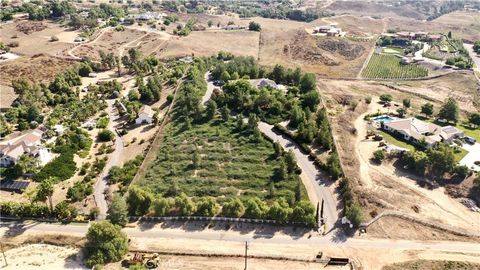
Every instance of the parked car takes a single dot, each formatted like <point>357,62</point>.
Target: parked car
<point>470,140</point>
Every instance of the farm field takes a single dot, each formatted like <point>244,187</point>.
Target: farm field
<point>389,67</point>
<point>232,164</point>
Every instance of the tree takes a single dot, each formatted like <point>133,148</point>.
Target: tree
<point>138,201</point>
<point>118,212</point>
<point>207,206</point>
<point>278,149</point>
<point>255,208</point>
<point>290,161</point>
<point>449,110</point>
<point>354,213</point>
<point>161,207</point>
<point>211,110</point>
<point>105,135</point>
<point>386,98</point>
<point>304,212</point>
<point>401,112</point>
<point>280,173</point>
<point>233,208</point>
<point>253,26</point>
<point>278,73</point>
<point>280,211</point>
<point>297,116</point>
<point>105,243</point>
<point>474,119</point>
<point>308,83</point>
<point>378,156</point>
<point>440,160</point>
<point>45,190</point>
<point>476,47</point>
<point>225,113</point>
<point>252,121</point>
<point>407,102</point>
<point>64,211</point>
<point>196,159</point>
<point>310,100</point>
<point>427,109</point>
<point>184,205</point>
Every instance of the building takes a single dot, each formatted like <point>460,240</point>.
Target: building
<point>145,115</point>
<point>329,30</point>
<point>417,131</point>
<point>260,83</point>
<point>26,144</point>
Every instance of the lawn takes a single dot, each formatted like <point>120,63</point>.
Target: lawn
<point>393,50</point>
<point>232,163</point>
<point>475,133</point>
<point>460,154</point>
<point>396,141</point>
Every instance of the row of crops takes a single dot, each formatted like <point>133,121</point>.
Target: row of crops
<point>383,66</point>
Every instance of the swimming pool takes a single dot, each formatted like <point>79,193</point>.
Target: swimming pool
<point>383,118</point>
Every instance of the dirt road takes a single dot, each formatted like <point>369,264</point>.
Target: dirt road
<point>153,233</point>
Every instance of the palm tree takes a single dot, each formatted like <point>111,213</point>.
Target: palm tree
<point>45,190</point>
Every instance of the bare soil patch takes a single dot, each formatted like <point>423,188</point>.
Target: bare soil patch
<point>428,265</point>
<point>206,43</point>
<point>108,42</point>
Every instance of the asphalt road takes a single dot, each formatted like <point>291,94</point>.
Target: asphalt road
<point>235,236</point>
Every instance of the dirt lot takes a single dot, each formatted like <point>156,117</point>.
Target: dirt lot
<point>206,43</point>
<point>108,41</point>
<point>34,37</point>
<point>428,265</point>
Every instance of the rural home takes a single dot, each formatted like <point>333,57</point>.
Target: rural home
<point>329,30</point>
<point>415,130</point>
<point>145,115</point>
<point>26,144</point>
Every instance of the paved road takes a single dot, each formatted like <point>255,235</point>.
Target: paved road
<point>317,188</point>
<point>101,184</point>
<point>235,236</point>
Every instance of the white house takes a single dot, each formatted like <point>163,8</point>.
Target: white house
<point>25,144</point>
<point>145,115</point>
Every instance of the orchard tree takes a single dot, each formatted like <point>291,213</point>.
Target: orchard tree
<point>474,119</point>
<point>161,207</point>
<point>184,205</point>
<point>207,206</point>
<point>386,98</point>
<point>304,212</point>
<point>233,208</point>
<point>308,83</point>
<point>138,201</point>
<point>211,110</point>
<point>105,243</point>
<point>118,212</point>
<point>280,211</point>
<point>255,208</point>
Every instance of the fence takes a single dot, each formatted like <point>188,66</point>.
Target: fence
<point>218,219</point>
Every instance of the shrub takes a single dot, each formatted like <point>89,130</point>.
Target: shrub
<point>105,135</point>
<point>62,167</point>
<point>379,155</point>
<point>53,38</point>
<point>170,98</point>
<point>13,44</point>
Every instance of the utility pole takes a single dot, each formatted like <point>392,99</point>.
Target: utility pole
<point>246,249</point>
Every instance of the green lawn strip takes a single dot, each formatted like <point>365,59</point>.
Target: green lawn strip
<point>397,141</point>
<point>460,153</point>
<point>475,133</point>
<point>393,50</point>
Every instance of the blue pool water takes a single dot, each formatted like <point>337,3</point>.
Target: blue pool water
<point>383,118</point>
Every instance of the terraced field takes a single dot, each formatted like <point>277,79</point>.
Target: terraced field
<point>389,67</point>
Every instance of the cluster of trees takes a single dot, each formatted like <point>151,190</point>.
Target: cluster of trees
<point>150,92</point>
<point>125,174</point>
<point>460,62</point>
<point>80,190</point>
<point>184,30</point>
<point>254,26</point>
<point>141,202</point>
<point>434,161</point>
<point>61,211</point>
<point>281,11</point>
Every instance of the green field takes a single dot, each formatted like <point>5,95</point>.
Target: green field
<point>232,163</point>
<point>389,67</point>
<point>393,50</point>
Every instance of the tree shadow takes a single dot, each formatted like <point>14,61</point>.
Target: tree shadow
<point>16,228</point>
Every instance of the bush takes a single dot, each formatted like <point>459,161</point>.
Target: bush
<point>79,191</point>
<point>379,155</point>
<point>53,38</point>
<point>354,213</point>
<point>105,135</point>
<point>170,98</point>
<point>13,44</point>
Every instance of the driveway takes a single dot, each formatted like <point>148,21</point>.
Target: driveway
<point>475,57</point>
<point>101,184</point>
<point>472,156</point>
